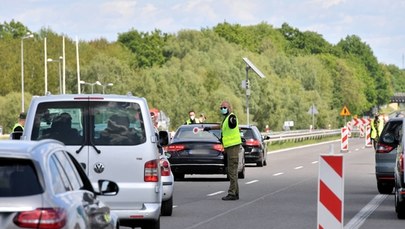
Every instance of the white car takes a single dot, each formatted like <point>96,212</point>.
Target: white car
<point>168,186</point>
<point>113,138</point>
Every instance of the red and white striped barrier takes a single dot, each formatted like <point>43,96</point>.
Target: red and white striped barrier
<point>344,145</point>
<point>368,137</point>
<point>330,192</point>
<point>362,131</point>
<point>349,129</point>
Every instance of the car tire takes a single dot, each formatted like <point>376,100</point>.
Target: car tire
<point>241,174</point>
<point>178,176</point>
<point>399,207</point>
<point>152,224</point>
<point>167,207</point>
<point>384,188</point>
<point>260,163</point>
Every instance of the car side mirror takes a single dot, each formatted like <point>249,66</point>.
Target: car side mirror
<point>163,138</point>
<point>107,188</point>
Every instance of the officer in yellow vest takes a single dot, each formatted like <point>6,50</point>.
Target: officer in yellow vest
<point>374,134</point>
<point>231,140</point>
<point>19,126</point>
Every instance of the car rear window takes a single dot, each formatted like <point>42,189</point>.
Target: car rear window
<point>247,133</point>
<point>196,133</point>
<point>102,122</point>
<point>391,133</point>
<point>18,177</point>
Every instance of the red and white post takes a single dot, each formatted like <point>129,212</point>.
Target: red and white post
<point>344,146</point>
<point>368,141</point>
<point>330,192</point>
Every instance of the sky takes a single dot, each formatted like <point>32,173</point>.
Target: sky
<point>378,23</point>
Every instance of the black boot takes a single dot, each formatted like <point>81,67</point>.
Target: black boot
<point>231,197</point>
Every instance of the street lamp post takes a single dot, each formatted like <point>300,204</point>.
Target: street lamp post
<point>91,84</point>
<point>60,71</point>
<point>29,35</point>
<point>106,85</point>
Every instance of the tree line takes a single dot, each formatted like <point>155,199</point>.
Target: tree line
<point>197,69</point>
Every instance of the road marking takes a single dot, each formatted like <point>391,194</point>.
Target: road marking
<point>215,193</point>
<point>251,182</point>
<point>357,149</point>
<point>314,162</point>
<point>299,167</point>
<point>277,174</point>
<point>365,212</point>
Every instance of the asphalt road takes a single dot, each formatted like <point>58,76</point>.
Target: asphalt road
<point>283,194</point>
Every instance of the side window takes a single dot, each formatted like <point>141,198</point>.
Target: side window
<point>69,170</point>
<point>118,123</point>
<point>60,182</point>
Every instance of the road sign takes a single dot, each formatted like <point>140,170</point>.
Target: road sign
<point>345,111</point>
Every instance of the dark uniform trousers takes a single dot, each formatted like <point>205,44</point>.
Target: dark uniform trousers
<point>232,153</point>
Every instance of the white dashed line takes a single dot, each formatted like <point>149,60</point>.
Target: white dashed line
<point>314,162</point>
<point>299,167</point>
<point>251,182</point>
<point>215,193</point>
<point>277,174</point>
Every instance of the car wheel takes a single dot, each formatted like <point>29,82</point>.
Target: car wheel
<point>167,207</point>
<point>260,163</point>
<point>265,160</point>
<point>178,176</point>
<point>384,188</point>
<point>153,224</point>
<point>241,174</point>
<point>399,207</point>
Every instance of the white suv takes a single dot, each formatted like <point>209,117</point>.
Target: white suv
<point>113,137</point>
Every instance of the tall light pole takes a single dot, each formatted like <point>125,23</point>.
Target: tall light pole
<point>29,35</point>
<point>91,84</point>
<point>60,71</point>
<point>105,85</point>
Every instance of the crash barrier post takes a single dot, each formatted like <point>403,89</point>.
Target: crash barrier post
<point>330,192</point>
<point>362,131</point>
<point>344,145</point>
<point>349,129</point>
<point>368,137</point>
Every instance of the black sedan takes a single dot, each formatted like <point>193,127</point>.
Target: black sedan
<point>195,151</point>
<point>254,145</point>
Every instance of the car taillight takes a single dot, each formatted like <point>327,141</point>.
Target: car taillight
<point>383,148</point>
<point>252,142</point>
<point>175,148</point>
<point>401,163</point>
<point>218,147</point>
<point>151,171</point>
<point>165,168</point>
<point>47,218</point>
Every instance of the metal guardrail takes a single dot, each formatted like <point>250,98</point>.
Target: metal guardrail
<point>300,135</point>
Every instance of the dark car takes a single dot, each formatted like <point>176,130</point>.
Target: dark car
<point>195,151</point>
<point>385,154</point>
<point>254,145</point>
<point>43,186</point>
<point>399,177</point>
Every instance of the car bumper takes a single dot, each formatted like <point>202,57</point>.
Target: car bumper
<point>149,211</point>
<point>199,168</point>
<point>167,189</point>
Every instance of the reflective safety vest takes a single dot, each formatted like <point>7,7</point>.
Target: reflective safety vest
<point>373,130</point>
<point>17,125</point>
<point>230,137</point>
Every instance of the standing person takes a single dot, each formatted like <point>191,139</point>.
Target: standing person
<point>202,118</point>
<point>19,126</point>
<point>374,133</point>
<point>231,141</point>
<point>191,119</point>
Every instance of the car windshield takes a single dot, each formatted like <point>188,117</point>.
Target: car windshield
<point>196,133</point>
<point>18,177</point>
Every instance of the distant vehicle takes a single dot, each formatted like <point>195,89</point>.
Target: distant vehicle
<point>399,177</point>
<point>194,151</point>
<point>254,145</point>
<point>113,137</point>
<point>43,186</point>
<point>385,155</point>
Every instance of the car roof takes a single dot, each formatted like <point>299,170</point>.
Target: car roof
<point>26,149</point>
<point>68,97</point>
